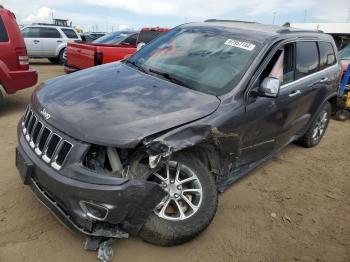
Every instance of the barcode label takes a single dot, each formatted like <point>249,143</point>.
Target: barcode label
<point>240,44</point>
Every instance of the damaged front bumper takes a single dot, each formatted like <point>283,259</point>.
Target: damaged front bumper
<point>106,209</point>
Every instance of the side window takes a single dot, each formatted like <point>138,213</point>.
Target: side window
<point>327,56</point>
<point>47,32</point>
<point>344,54</point>
<point>69,33</point>
<point>281,65</point>
<point>31,32</point>
<point>131,40</point>
<point>148,36</point>
<point>307,59</point>
<point>3,33</point>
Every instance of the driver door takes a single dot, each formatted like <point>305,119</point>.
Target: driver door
<point>267,118</point>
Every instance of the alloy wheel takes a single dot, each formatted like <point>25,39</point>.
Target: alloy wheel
<point>184,191</point>
<point>320,126</point>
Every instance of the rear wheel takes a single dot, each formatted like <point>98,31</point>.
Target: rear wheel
<point>318,128</point>
<point>61,57</point>
<point>188,208</point>
<point>1,100</point>
<point>53,60</point>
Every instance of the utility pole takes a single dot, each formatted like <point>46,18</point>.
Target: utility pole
<point>274,17</point>
<point>348,19</point>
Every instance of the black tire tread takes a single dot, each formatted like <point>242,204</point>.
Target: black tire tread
<point>1,100</point>
<point>306,140</point>
<point>167,233</point>
<point>342,115</point>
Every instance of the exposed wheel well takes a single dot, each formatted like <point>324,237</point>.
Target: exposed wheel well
<point>206,155</point>
<point>334,104</point>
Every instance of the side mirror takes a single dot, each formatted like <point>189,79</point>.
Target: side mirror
<point>140,45</point>
<point>270,87</point>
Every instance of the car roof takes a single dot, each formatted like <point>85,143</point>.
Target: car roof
<point>261,32</point>
<point>51,26</point>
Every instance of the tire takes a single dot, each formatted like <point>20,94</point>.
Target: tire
<point>1,100</point>
<point>61,59</point>
<point>342,115</point>
<point>317,129</point>
<point>164,232</point>
<point>53,60</point>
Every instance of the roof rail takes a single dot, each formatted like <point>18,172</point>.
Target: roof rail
<point>296,30</point>
<point>48,24</point>
<point>227,20</point>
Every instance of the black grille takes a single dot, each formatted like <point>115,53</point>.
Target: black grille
<point>49,145</point>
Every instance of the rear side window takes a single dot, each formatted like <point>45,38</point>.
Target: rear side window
<point>131,40</point>
<point>70,33</point>
<point>31,32</point>
<point>307,59</point>
<point>327,56</point>
<point>47,32</point>
<point>344,54</point>
<point>3,33</point>
<point>148,36</point>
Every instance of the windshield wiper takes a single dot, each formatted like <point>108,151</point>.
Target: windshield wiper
<point>170,78</point>
<point>134,64</point>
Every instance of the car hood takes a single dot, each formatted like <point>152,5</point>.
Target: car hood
<point>117,105</point>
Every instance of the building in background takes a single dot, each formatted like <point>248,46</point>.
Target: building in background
<point>339,31</point>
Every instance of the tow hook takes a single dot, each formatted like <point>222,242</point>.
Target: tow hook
<point>103,247</point>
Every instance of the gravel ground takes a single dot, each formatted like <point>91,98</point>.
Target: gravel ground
<point>295,207</point>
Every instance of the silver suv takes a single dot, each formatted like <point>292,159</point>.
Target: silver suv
<point>48,41</point>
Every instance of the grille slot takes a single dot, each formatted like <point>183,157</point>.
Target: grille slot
<point>52,144</point>
<point>27,118</point>
<point>36,132</point>
<point>43,138</point>
<point>31,124</point>
<point>64,150</point>
<point>44,141</point>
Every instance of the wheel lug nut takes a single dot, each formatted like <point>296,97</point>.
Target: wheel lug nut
<point>172,181</point>
<point>164,185</point>
<point>179,187</point>
<point>176,195</point>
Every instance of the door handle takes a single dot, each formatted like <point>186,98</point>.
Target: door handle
<point>295,93</point>
<point>59,41</point>
<point>36,41</point>
<point>324,79</point>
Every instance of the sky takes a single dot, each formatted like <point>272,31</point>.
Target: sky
<point>108,15</point>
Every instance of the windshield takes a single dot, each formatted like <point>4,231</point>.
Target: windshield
<point>209,60</point>
<point>113,38</point>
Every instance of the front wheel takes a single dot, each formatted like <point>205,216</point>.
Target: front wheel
<point>318,128</point>
<point>189,206</point>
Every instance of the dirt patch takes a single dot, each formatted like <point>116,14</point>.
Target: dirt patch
<point>293,208</point>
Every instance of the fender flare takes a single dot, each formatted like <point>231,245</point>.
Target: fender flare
<point>329,97</point>
<point>60,48</point>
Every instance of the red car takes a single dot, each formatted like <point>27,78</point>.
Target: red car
<point>109,48</point>
<point>15,73</point>
<point>344,56</point>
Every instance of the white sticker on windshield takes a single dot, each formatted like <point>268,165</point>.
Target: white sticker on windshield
<point>240,44</point>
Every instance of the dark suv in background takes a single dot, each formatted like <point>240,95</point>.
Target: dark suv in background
<point>144,145</point>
